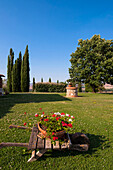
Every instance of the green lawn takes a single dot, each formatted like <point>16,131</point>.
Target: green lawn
<point>94,116</point>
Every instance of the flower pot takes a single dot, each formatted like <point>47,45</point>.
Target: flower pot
<point>58,134</point>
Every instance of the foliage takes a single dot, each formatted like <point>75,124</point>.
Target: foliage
<point>53,123</point>
<point>42,80</point>
<point>33,83</point>
<point>25,71</point>
<point>15,76</point>
<point>49,80</point>
<point>9,74</point>
<point>18,74</point>
<point>92,62</point>
<point>50,87</point>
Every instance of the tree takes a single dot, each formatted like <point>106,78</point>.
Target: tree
<point>49,80</point>
<point>42,80</point>
<point>9,74</point>
<point>20,62</point>
<point>33,83</point>
<point>9,69</point>
<point>15,77</point>
<point>22,75</point>
<point>92,62</point>
<point>25,78</point>
<point>12,60</point>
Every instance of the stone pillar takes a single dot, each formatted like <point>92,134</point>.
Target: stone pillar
<point>71,92</point>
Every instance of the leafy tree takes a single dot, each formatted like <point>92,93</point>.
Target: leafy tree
<point>33,83</point>
<point>92,62</point>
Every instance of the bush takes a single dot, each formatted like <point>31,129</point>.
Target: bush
<point>50,87</point>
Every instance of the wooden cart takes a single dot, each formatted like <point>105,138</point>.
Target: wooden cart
<point>77,141</point>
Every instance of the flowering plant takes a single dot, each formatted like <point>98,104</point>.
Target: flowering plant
<point>53,123</point>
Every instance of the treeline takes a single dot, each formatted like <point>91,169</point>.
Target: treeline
<point>18,78</point>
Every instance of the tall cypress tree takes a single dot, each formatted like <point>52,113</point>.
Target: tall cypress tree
<point>14,78</point>
<point>22,75</point>
<point>11,65</point>
<point>9,74</point>
<point>33,83</point>
<point>26,70</point>
<point>19,75</point>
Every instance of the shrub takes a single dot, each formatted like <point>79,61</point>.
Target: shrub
<point>50,87</point>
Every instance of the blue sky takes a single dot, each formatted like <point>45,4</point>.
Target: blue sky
<point>51,28</point>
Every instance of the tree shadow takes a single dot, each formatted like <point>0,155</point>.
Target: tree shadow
<point>8,101</point>
<point>96,142</point>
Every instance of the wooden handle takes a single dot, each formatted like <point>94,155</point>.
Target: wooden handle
<point>3,144</point>
<point>19,127</point>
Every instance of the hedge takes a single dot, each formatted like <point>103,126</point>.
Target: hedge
<point>50,87</point>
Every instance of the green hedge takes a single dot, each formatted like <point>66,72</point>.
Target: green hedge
<point>50,87</point>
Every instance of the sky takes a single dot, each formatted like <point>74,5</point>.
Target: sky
<point>51,29</point>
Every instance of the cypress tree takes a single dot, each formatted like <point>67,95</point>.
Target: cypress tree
<point>42,80</point>
<point>49,80</point>
<point>19,74</point>
<point>26,70</point>
<point>33,83</point>
<point>11,64</point>
<point>22,75</point>
<point>9,74</point>
<point>14,78</point>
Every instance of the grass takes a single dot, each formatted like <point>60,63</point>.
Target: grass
<point>94,116</point>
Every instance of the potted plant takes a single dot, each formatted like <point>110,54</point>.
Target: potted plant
<point>53,125</point>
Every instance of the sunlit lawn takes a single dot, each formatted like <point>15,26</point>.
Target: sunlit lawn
<point>94,116</point>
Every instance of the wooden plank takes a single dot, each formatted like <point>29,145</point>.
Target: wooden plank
<point>40,143</point>
<point>3,144</point>
<point>48,144</point>
<point>33,138</point>
<point>56,146</point>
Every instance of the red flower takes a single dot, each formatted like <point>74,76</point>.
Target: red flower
<point>53,133</point>
<point>73,117</point>
<point>69,115</point>
<point>40,108</point>
<point>64,124</point>
<point>57,118</point>
<point>46,120</point>
<point>36,115</point>
<point>25,124</point>
<point>62,113</point>
<point>43,113</point>
<point>25,113</point>
<point>53,115</point>
<point>55,138</point>
<point>69,125</point>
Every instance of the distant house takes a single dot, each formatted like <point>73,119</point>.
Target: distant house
<point>108,86</point>
<point>1,90</point>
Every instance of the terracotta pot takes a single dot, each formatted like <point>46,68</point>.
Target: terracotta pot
<point>57,134</point>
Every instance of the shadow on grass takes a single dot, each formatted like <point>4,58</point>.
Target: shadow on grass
<point>97,142</point>
<point>8,101</point>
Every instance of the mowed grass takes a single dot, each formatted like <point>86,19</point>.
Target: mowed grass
<point>93,116</point>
